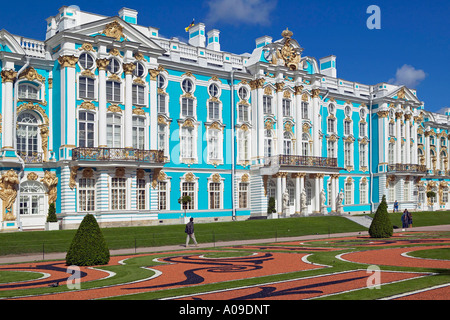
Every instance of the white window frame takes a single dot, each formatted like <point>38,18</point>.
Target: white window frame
<point>86,129</point>
<point>122,190</point>
<point>139,190</point>
<point>113,96</point>
<point>217,194</point>
<point>86,191</point>
<point>244,194</point>
<point>86,87</point>
<point>139,132</point>
<point>114,127</point>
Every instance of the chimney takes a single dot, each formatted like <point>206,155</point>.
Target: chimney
<point>262,41</point>
<point>328,66</point>
<point>128,15</point>
<point>213,40</point>
<point>197,35</point>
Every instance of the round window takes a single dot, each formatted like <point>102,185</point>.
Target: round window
<point>213,90</point>
<point>114,66</point>
<point>86,61</point>
<point>187,85</point>
<point>243,93</point>
<point>161,81</point>
<point>140,70</point>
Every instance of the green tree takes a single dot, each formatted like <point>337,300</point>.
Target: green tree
<point>381,226</point>
<point>88,247</point>
<point>51,217</point>
<point>271,206</point>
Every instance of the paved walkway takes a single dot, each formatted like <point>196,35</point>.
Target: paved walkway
<point>62,256</point>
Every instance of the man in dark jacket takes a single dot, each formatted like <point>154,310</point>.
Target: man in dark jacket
<point>190,232</point>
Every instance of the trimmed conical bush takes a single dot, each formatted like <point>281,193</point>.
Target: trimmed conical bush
<point>88,247</point>
<point>381,226</point>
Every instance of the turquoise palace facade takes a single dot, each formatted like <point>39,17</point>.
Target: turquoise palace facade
<point>107,117</point>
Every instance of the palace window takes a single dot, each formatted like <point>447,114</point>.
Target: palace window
<point>287,144</point>
<point>113,91</point>
<point>86,132</point>
<point>139,71</point>
<point>347,128</point>
<point>267,105</point>
<point>362,129</point>
<point>363,155</point>
<point>86,195</point>
<point>287,108</point>
<point>187,86</point>
<point>188,189</point>
<point>331,126</point>
<point>138,94</point>
<point>348,146</point>
<point>391,129</point>
<point>162,103</point>
<point>243,93</point>
<point>187,107</point>
<point>243,113</point>
<point>305,114</point>
<point>215,195</point>
<point>243,195</point>
<point>391,154</point>
<point>213,144</point>
<point>86,61</point>
<point>141,193</point>
<point>348,193</point>
<point>268,143</point>
<point>331,149</point>
<point>114,66</point>
<point>27,134</point>
<point>406,191</point>
<point>363,193</point>
<point>162,139</point>
<point>86,89</point>
<point>118,194</point>
<point>162,195</point>
<point>187,142</point>
<point>32,195</point>
<point>139,133</point>
<point>305,144</point>
<point>213,110</point>
<point>243,145</point>
<point>28,91</point>
<point>213,90</point>
<point>114,130</point>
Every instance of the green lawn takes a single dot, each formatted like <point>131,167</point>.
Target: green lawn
<point>132,237</point>
<point>422,219</point>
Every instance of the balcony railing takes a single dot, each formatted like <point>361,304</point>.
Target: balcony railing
<point>301,161</point>
<point>118,154</point>
<point>31,157</point>
<point>409,168</point>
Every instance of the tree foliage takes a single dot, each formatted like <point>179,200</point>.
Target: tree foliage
<point>381,226</point>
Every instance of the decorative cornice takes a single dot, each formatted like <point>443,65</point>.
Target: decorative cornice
<point>8,76</point>
<point>67,61</point>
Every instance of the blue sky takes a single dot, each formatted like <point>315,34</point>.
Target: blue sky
<point>412,47</point>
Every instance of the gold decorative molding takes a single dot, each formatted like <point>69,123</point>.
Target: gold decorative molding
<point>120,172</point>
<point>115,52</point>
<point>154,74</point>
<point>102,64</point>
<point>279,86</point>
<point>114,30</point>
<point>88,73</point>
<point>189,177</point>
<point>139,56</point>
<point>32,176</point>
<point>86,47</point>
<point>268,91</point>
<point>31,74</point>
<point>315,93</point>
<point>34,107</point>
<point>8,75</point>
<point>8,193</point>
<point>44,140</point>
<point>67,61</point>
<point>128,68</point>
<point>298,90</point>
<point>114,77</point>
<point>139,81</point>
<point>50,83</point>
<point>138,111</point>
<point>383,114</point>
<point>87,105</point>
<point>288,54</point>
<point>51,182</point>
<point>73,177</point>
<point>216,178</point>
<point>245,178</point>
<point>114,108</point>
<point>88,173</point>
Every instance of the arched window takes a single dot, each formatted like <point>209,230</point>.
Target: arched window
<point>32,195</point>
<point>28,135</point>
<point>287,144</point>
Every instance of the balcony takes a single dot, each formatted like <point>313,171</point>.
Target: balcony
<point>118,154</point>
<point>407,168</point>
<point>301,161</point>
<point>31,157</point>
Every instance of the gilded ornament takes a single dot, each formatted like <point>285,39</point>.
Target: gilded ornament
<point>216,178</point>
<point>189,177</point>
<point>268,91</point>
<point>140,174</point>
<point>154,74</point>
<point>32,176</point>
<point>88,173</point>
<point>87,47</point>
<point>88,73</point>
<point>8,193</point>
<point>298,90</point>
<point>51,181</point>
<point>128,68</point>
<point>31,74</point>
<point>34,107</point>
<point>102,64</point>
<point>120,172</point>
<point>87,105</point>
<point>114,108</point>
<point>138,111</point>
<point>139,56</point>
<point>114,30</point>
<point>8,76</point>
<point>115,52</point>
<point>67,61</point>
<point>245,178</point>
<point>315,93</point>
<point>73,177</point>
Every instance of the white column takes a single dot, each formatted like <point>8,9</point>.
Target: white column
<point>415,158</point>
<point>408,138</point>
<point>8,78</point>
<point>317,193</point>
<point>298,191</point>
<point>50,115</point>
<point>280,129</point>
<point>260,122</point>
<point>128,69</point>
<point>153,98</point>
<point>102,139</point>
<point>427,151</point>
<point>316,124</point>
<point>298,119</point>
<point>68,102</point>
<point>382,137</point>
<point>279,194</point>
<point>332,192</point>
<point>398,145</point>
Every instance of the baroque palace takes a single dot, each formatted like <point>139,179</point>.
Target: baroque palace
<point>107,117</point>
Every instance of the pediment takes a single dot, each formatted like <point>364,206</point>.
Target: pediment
<point>403,93</point>
<point>8,43</point>
<point>117,30</point>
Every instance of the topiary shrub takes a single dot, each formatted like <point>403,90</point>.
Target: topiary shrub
<point>381,226</point>
<point>271,206</point>
<point>51,217</point>
<point>88,247</point>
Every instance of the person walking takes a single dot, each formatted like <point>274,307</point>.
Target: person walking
<point>410,219</point>
<point>405,220</point>
<point>189,230</point>
<point>396,206</point>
